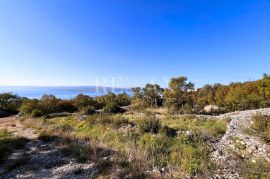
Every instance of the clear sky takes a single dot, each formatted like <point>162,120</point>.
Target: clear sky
<point>132,42</point>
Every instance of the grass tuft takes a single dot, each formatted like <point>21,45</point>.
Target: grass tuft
<point>261,125</point>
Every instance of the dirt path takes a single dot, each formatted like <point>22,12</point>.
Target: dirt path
<point>237,140</point>
<point>13,125</point>
<point>39,159</point>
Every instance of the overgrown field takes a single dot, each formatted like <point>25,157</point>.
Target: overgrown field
<point>180,145</point>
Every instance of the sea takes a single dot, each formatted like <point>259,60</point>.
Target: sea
<point>63,92</point>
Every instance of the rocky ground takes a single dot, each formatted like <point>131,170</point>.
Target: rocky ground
<point>40,159</point>
<point>237,141</point>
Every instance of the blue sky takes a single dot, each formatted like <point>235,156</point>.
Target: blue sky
<point>132,42</point>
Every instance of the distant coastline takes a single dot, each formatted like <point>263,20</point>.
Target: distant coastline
<point>63,92</point>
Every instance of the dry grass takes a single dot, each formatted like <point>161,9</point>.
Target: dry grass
<point>138,151</point>
<point>9,143</point>
<point>261,126</point>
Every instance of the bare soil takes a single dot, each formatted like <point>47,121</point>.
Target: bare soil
<point>40,159</point>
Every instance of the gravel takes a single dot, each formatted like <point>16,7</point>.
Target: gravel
<point>251,147</point>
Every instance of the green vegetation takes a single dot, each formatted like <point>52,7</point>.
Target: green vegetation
<point>83,104</point>
<point>207,127</point>
<point>10,102</point>
<point>251,170</point>
<point>261,125</point>
<point>178,97</point>
<point>149,124</point>
<point>151,134</point>
<point>150,95</point>
<point>149,142</point>
<point>237,96</point>
<point>181,97</point>
<point>48,104</point>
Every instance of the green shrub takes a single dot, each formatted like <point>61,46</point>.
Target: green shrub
<point>123,99</point>
<point>66,106</point>
<point>169,132</point>
<point>48,104</point>
<point>261,124</point>
<point>10,102</point>
<point>112,107</point>
<point>4,133</point>
<point>157,148</point>
<point>28,106</point>
<point>36,113</point>
<point>149,124</point>
<point>81,101</point>
<point>89,110</point>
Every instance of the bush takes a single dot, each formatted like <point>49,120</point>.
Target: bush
<point>48,104</point>
<point>261,124</point>
<point>10,102</point>
<point>169,132</point>
<point>157,149</point>
<point>36,113</point>
<point>81,101</point>
<point>66,106</point>
<point>89,110</point>
<point>112,107</point>
<point>28,106</point>
<point>149,124</point>
<point>123,99</point>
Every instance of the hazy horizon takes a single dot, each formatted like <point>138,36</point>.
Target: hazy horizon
<point>129,87</point>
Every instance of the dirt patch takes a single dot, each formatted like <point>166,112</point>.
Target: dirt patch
<point>39,158</point>
<point>13,125</point>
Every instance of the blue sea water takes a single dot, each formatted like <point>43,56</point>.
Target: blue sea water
<point>66,92</point>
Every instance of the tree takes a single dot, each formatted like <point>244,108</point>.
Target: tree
<point>112,107</point>
<point>153,95</point>
<point>243,96</point>
<point>137,93</point>
<point>181,84</point>
<point>48,104</point>
<point>264,90</point>
<point>137,101</point>
<point>105,99</point>
<point>10,102</point>
<point>205,96</point>
<point>82,100</point>
<point>149,96</point>
<point>221,91</point>
<point>123,99</point>
<point>178,96</point>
